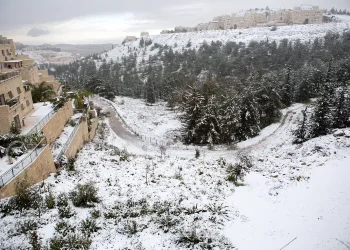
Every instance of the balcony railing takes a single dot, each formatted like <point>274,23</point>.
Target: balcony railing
<point>23,164</point>
<point>8,75</point>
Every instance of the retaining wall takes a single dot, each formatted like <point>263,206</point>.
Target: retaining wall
<point>38,171</point>
<point>55,125</point>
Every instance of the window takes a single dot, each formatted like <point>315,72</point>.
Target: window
<point>3,52</point>
<point>22,106</point>
<point>10,94</point>
<point>19,90</point>
<point>28,103</point>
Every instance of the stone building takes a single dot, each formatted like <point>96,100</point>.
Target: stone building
<point>18,74</point>
<point>305,14</point>
<point>15,100</point>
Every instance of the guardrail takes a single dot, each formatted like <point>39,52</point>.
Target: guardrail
<point>24,163</point>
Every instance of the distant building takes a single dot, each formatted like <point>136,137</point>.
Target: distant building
<point>305,14</point>
<point>144,33</point>
<point>129,39</point>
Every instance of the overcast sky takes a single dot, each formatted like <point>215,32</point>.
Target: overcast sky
<point>104,21</point>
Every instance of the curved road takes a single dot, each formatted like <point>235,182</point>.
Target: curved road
<point>120,129</point>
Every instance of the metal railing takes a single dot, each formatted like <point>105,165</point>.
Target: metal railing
<point>69,140</point>
<point>37,128</point>
<point>24,163</point>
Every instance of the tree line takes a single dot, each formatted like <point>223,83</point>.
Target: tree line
<point>227,92</point>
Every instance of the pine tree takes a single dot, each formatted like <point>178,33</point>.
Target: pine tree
<point>193,107</point>
<point>341,113</point>
<point>301,133</point>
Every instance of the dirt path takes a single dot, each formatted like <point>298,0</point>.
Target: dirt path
<point>115,123</point>
<point>290,117</point>
<point>276,137</point>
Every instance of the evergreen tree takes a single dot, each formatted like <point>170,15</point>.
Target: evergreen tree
<point>192,105</point>
<point>301,134</point>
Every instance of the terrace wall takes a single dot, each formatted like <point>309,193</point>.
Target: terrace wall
<point>55,125</point>
<point>38,171</point>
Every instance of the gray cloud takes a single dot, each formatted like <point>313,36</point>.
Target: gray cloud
<point>166,14</point>
<point>38,31</point>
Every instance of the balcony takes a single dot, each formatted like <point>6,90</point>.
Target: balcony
<point>8,75</point>
<point>13,103</point>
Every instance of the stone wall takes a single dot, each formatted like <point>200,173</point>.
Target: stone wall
<point>55,125</point>
<point>38,171</point>
<point>93,128</point>
<point>79,139</point>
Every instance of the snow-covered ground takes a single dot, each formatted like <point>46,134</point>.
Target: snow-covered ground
<point>41,109</point>
<point>178,41</point>
<point>57,145</point>
<point>151,122</point>
<point>49,56</point>
<point>297,194</point>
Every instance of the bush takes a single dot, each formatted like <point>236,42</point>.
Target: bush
<point>25,196</point>
<point>95,213</point>
<point>65,211</point>
<point>14,130</point>
<point>71,164</point>
<point>34,241</point>
<point>239,170</point>
<point>72,123</point>
<point>166,222</point>
<point>71,241</point>
<point>203,240</point>
<point>26,226</point>
<point>274,28</point>
<point>197,153</point>
<point>88,227</point>
<point>84,195</point>
<point>62,200</point>
<point>50,201</point>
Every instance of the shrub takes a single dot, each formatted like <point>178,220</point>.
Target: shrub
<point>64,228</point>
<point>274,28</point>
<point>197,153</point>
<point>88,227</point>
<point>84,195</point>
<point>130,227</point>
<point>65,211</point>
<point>62,200</point>
<point>26,226</point>
<point>203,240</point>
<point>72,123</point>
<point>166,222</point>
<point>95,213</point>
<point>25,196</point>
<point>71,164</point>
<point>71,241</point>
<point>14,130</point>
<point>34,241</point>
<point>50,201</point>
<point>239,170</point>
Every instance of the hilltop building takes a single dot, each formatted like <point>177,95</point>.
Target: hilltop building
<point>305,14</point>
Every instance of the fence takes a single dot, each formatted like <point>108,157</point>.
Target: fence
<point>24,163</point>
<point>42,122</point>
<point>71,136</point>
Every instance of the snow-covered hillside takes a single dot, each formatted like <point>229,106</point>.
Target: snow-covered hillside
<point>178,41</point>
<point>297,194</point>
